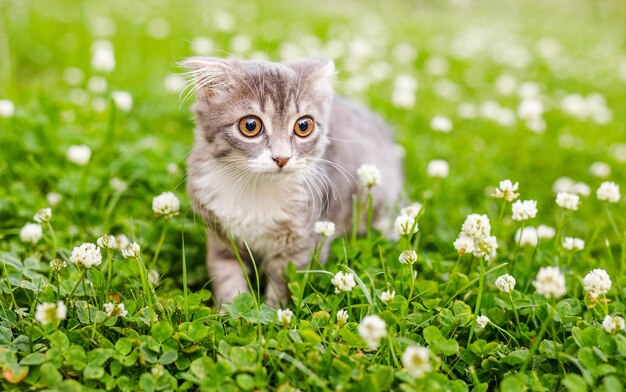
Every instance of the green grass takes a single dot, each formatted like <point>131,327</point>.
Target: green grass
<point>557,343</point>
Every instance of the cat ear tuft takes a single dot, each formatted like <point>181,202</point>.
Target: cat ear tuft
<point>210,74</point>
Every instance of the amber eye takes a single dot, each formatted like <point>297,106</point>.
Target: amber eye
<point>250,126</point>
<point>304,126</point>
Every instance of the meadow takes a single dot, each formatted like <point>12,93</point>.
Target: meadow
<point>104,287</point>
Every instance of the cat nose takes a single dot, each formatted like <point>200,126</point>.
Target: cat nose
<point>281,161</point>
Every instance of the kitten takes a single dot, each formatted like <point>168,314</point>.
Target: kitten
<point>275,151</point>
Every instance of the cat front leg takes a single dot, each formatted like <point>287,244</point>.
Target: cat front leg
<point>227,278</point>
<point>275,269</point>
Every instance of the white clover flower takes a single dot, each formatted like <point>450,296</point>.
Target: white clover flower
<point>527,236</point>
<point>342,317</point>
<point>172,168</point>
<point>597,283</point>
<point>121,241</point>
<point>505,283</point>
<point>530,109</point>
<point>79,155</point>
<point>387,295</point>
<point>464,245</point>
<point>47,313</point>
<point>581,189</point>
<point>131,251</point>
<point>153,276</point>
<point>437,168</point>
<point>107,242</point>
<point>343,282</point>
<point>412,210</point>
<point>482,322</point>
<point>441,124</point>
<point>98,85</point>
<point>569,201</point>
<point>57,265</point>
<point>408,257</point>
<point>608,191</point>
<point>524,210</point>
<point>43,215</point>
<point>467,110</point>
<point>174,84</point>
<point>53,198</point>
<point>86,256</point>
<point>31,233</point>
<point>613,324</point>
<point>372,329</point>
<point>403,95</point>
<point>166,204</point>
<point>123,100</point>
<point>550,282</point>
<point>325,228</point>
<point>7,109</point>
<point>573,244</point>
<point>506,190</point>
<point>114,310</point>
<point>405,225</point>
<point>202,46</point>
<point>475,237</point>
<point>476,226</point>
<point>600,169</point>
<point>102,57</point>
<point>546,232</point>
<point>369,174</point>
<point>118,184</point>
<point>284,316</point>
<point>563,184</point>
<point>486,247</point>
<point>416,361</point>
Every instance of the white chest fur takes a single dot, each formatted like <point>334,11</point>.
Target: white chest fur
<point>251,208</point>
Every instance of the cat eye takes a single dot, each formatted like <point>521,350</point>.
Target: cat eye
<point>250,126</point>
<point>304,126</point>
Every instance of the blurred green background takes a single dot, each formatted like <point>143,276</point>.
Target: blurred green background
<point>534,91</point>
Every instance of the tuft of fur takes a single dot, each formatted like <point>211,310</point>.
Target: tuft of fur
<point>236,185</point>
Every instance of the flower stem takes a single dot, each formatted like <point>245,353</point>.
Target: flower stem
<point>501,214</point>
<point>58,276</point>
<point>356,214</point>
<point>54,240</point>
<point>559,229</point>
<point>393,352</point>
<point>518,243</point>
<point>481,281</point>
<point>517,323</point>
<point>504,332</point>
<point>605,305</point>
<point>412,284</point>
<point>143,275</point>
<point>370,212</point>
<point>612,221</point>
<point>159,245</point>
<point>109,273</point>
<point>82,278</point>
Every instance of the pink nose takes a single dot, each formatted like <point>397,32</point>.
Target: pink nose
<point>281,161</point>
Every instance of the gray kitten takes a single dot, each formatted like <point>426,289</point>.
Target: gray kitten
<point>275,151</point>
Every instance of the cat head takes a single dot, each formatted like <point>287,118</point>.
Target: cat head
<point>267,117</point>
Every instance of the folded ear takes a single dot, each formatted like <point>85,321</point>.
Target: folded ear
<point>211,75</point>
